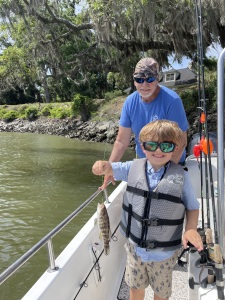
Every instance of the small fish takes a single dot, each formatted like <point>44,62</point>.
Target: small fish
<point>104,226</point>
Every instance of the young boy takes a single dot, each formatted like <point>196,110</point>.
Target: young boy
<point>158,197</point>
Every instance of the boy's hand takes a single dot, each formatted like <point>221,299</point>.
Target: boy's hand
<point>98,167</point>
<point>194,238</point>
<point>102,167</point>
<point>107,180</point>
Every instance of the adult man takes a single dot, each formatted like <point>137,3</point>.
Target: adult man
<point>150,102</point>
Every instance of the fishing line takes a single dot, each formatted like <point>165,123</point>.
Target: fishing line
<point>104,157</point>
<point>96,264</point>
<point>104,195</point>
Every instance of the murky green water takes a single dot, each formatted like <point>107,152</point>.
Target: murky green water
<point>42,180</point>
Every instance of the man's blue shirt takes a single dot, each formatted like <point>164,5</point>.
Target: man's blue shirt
<point>137,113</point>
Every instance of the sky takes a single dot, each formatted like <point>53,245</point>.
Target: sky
<point>213,51</point>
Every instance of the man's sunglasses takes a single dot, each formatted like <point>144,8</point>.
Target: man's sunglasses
<point>165,147</point>
<point>147,79</point>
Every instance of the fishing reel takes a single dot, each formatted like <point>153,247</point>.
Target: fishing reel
<point>212,260</point>
<point>209,279</point>
<point>204,262</point>
<point>181,260</point>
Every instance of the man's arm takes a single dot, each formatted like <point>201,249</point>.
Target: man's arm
<point>178,153</point>
<point>121,143</point>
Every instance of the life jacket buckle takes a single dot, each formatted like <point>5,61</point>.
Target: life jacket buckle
<point>150,245</point>
<point>154,222</point>
<point>147,244</point>
<point>155,195</point>
<point>150,222</point>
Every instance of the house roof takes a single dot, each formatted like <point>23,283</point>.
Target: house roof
<point>182,77</point>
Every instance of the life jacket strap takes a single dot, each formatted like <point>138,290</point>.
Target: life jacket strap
<point>161,222</point>
<point>151,222</point>
<point>152,195</point>
<point>129,220</point>
<point>148,245</point>
<point>156,244</point>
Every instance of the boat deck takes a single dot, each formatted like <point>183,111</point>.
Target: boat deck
<point>179,289</point>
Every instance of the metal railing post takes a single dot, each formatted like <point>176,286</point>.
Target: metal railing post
<point>51,256</point>
<point>106,195</point>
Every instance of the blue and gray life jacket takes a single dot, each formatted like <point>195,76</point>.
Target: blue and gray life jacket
<point>154,219</point>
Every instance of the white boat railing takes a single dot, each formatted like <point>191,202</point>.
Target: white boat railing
<point>47,240</point>
<point>220,150</point>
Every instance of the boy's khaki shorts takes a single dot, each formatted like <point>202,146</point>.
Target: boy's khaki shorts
<point>139,275</point>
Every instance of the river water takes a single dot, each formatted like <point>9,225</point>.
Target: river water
<point>43,179</point>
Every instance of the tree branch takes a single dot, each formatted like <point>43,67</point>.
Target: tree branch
<point>57,20</point>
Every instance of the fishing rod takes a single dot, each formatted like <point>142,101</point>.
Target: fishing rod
<point>202,108</point>
<point>207,149</point>
<point>204,133</point>
<point>200,124</point>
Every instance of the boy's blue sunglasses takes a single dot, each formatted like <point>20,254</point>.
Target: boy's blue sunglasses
<point>147,79</point>
<point>165,147</point>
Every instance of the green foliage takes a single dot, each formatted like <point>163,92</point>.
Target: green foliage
<point>2,101</point>
<point>120,81</point>
<point>53,110</point>
<point>210,63</point>
<point>15,71</point>
<point>10,115</point>
<point>112,95</point>
<point>82,105</point>
<point>116,81</point>
<point>46,110</point>
<point>94,87</point>
<point>111,80</point>
<point>60,112</point>
<point>211,86</point>
<point>190,96</point>
<point>22,111</point>
<point>3,111</point>
<point>31,112</point>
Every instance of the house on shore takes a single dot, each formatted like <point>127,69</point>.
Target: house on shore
<point>176,79</point>
<point>180,78</point>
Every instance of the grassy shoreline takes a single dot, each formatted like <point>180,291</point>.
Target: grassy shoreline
<point>105,110</point>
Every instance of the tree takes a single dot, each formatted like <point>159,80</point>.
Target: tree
<point>73,47</point>
<point>116,80</point>
<point>128,26</point>
<point>54,52</point>
<point>82,105</point>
